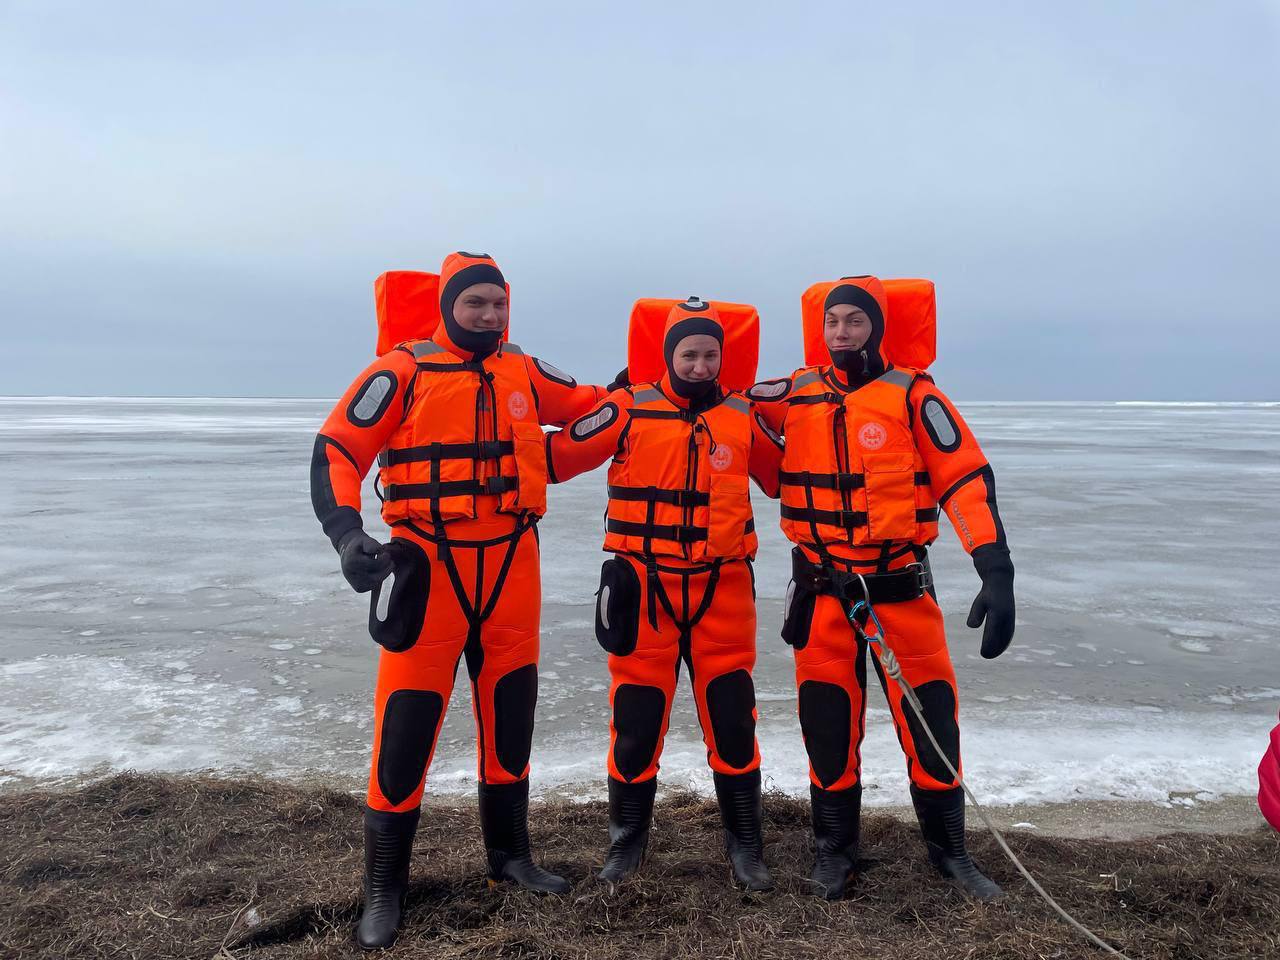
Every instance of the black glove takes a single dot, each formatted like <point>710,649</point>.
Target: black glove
<point>994,601</point>
<point>365,562</point>
<point>623,379</point>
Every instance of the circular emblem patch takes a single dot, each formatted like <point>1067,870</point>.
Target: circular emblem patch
<point>721,457</point>
<point>872,436</point>
<point>518,405</point>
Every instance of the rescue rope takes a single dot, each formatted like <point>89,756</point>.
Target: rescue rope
<point>894,670</point>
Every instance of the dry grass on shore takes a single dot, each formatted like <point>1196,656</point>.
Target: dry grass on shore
<point>153,867</point>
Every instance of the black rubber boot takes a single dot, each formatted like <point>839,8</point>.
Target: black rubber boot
<point>504,821</point>
<point>742,814</point>
<point>836,822</point>
<point>630,813</point>
<point>388,844</point>
<point>941,816</point>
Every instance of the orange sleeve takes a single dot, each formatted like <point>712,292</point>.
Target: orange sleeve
<point>591,439</point>
<point>355,432</point>
<point>557,396</point>
<point>766,455</point>
<point>769,400</point>
<point>959,474</point>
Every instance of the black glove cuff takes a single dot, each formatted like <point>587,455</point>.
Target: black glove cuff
<point>340,524</point>
<point>991,560</point>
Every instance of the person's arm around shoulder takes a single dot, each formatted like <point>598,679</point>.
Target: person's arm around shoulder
<point>557,396</point>
<point>591,439</point>
<point>965,487</point>
<point>769,401</point>
<point>766,455</point>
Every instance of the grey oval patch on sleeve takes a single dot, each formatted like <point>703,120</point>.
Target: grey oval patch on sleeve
<point>368,406</point>
<point>593,424</point>
<point>554,374</point>
<point>941,428</point>
<point>768,389</point>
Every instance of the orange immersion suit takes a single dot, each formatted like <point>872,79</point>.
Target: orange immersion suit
<point>871,456</point>
<point>680,588</point>
<point>463,476</point>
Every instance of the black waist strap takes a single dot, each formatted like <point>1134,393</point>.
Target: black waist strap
<point>898,586</point>
<point>848,519</point>
<point>679,498</point>
<point>487,450</point>
<point>654,531</point>
<point>449,488</point>
<point>837,481</point>
<point>824,481</point>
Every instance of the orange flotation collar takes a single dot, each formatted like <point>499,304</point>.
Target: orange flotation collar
<point>740,353</point>
<point>910,322</point>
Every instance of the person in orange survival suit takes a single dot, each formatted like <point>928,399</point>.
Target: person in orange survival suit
<point>680,586</point>
<point>872,450</point>
<point>454,422</point>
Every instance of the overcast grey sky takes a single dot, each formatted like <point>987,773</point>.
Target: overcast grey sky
<point>195,198</point>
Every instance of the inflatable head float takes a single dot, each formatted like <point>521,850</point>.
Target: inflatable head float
<point>408,302</point>
<point>910,323</point>
<point>739,356</point>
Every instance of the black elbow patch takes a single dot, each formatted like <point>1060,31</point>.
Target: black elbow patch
<point>638,712</point>
<point>770,389</point>
<point>410,722</point>
<point>584,428</point>
<point>514,699</point>
<point>731,704</point>
<point>554,374</point>
<point>826,721</point>
<point>939,702</point>
<point>939,424</point>
<point>372,399</point>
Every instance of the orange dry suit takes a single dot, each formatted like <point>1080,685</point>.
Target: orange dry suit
<point>873,451</point>
<point>680,587</point>
<point>463,476</point>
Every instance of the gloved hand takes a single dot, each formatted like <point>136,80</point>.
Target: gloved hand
<point>365,561</point>
<point>994,601</point>
<point>623,379</point>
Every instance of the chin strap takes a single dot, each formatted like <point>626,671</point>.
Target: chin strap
<point>879,643</point>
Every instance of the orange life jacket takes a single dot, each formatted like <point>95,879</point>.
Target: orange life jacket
<point>851,473</point>
<point>470,428</point>
<point>682,490</point>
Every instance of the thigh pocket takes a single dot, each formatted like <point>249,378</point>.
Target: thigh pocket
<point>398,604</point>
<point>618,607</point>
<point>797,615</point>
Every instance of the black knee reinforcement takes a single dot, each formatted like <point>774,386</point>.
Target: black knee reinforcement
<point>637,720</point>
<point>514,698</point>
<point>731,702</point>
<point>825,721</point>
<point>939,702</point>
<point>409,723</point>
<point>398,604</point>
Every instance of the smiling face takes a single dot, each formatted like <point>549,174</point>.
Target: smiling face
<point>696,358</point>
<point>846,327</point>
<point>482,308</point>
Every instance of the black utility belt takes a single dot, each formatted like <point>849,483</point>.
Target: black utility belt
<point>897,586</point>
